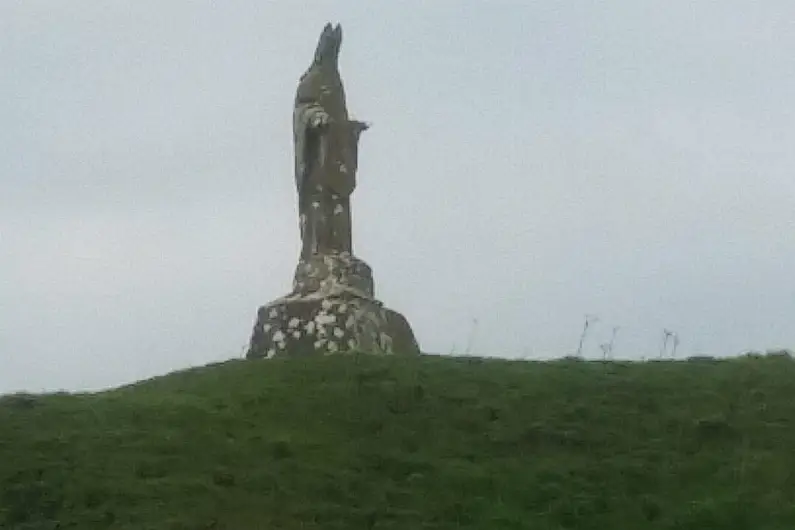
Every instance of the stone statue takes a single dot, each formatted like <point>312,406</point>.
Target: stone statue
<point>326,146</point>
<point>332,307</point>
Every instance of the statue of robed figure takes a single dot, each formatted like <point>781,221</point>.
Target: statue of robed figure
<point>332,307</point>
<point>326,151</point>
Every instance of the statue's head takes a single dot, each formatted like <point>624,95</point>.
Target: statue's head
<point>328,47</point>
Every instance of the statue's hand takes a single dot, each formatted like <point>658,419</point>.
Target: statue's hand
<point>320,119</point>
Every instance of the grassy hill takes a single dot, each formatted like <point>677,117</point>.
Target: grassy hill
<point>397,443</point>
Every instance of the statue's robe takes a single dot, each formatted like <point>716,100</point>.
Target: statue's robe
<point>326,145</point>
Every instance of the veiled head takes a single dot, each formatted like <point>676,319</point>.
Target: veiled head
<point>328,46</point>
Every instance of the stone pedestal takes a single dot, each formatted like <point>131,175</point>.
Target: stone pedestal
<point>331,310</point>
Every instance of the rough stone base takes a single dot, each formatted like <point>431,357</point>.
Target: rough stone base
<point>299,325</point>
<point>332,274</point>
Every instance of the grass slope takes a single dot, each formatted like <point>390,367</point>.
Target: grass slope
<point>397,443</point>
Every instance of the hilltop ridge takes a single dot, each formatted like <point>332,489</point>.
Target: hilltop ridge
<point>395,443</point>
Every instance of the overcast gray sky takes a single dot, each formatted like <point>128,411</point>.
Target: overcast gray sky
<point>529,162</point>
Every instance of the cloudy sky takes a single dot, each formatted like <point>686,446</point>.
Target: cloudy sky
<point>529,162</point>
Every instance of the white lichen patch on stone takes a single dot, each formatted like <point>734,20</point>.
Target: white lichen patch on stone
<point>281,345</point>
<point>326,304</point>
<point>271,353</point>
<point>310,327</point>
<point>352,344</point>
<point>350,322</point>
<point>339,333</point>
<point>321,331</point>
<point>343,307</point>
<point>266,328</point>
<point>343,168</point>
<point>385,341</point>
<point>332,346</point>
<point>293,323</point>
<point>278,336</point>
<point>315,205</point>
<point>323,319</point>
<point>338,209</point>
<point>273,313</point>
<point>297,334</point>
<point>319,343</point>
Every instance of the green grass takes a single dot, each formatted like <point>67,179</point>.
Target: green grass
<point>404,443</point>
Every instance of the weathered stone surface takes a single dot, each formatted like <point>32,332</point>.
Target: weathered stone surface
<point>298,325</point>
<point>332,275</point>
<point>332,307</point>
